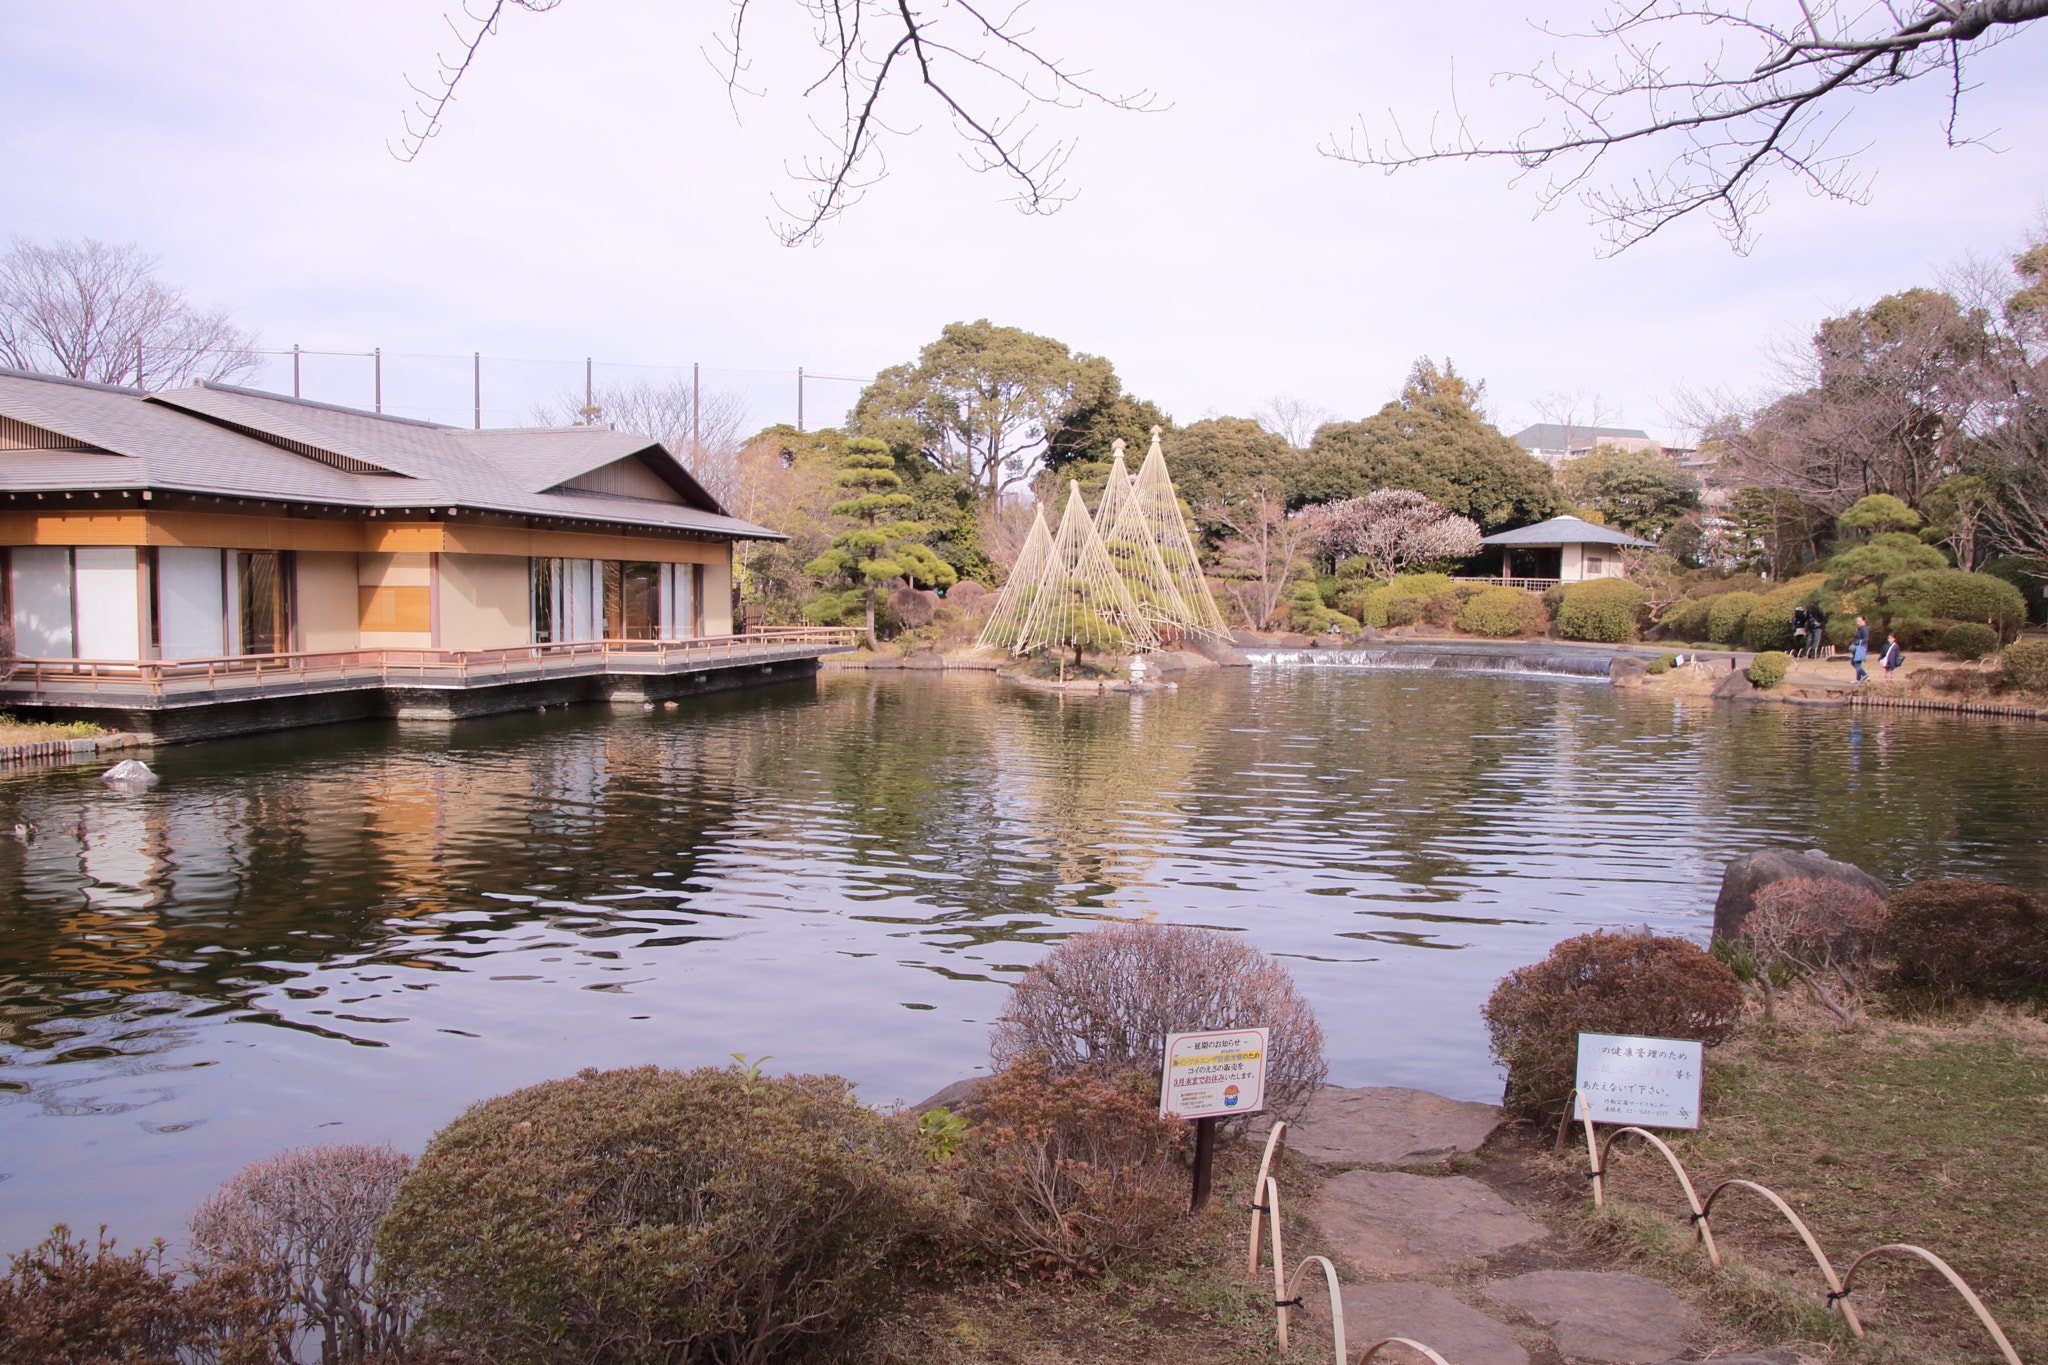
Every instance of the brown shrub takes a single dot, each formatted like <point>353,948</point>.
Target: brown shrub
<point>1813,921</point>
<point>73,1303</point>
<point>1602,983</point>
<point>640,1216</point>
<point>1072,1172</point>
<point>1957,936</point>
<point>912,607</point>
<point>1109,997</point>
<point>306,1222</point>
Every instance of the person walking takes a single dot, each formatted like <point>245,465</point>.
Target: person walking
<point>1816,623</point>
<point>1893,657</point>
<point>1799,632</point>
<point>1859,648</point>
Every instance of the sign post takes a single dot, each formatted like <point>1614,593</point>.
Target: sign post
<point>1647,1082</point>
<point>1217,1073</point>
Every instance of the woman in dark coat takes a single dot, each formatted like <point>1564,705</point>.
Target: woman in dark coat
<point>1859,648</point>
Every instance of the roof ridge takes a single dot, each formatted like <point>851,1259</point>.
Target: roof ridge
<point>310,403</point>
<point>11,372</point>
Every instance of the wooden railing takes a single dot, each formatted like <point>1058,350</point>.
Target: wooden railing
<point>244,673</point>
<point>1532,584</point>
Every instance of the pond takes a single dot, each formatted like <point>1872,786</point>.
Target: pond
<point>348,934</point>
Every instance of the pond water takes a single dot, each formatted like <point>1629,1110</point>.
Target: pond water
<point>348,934</point>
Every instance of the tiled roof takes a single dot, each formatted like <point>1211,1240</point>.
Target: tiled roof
<point>1565,531</point>
<point>226,441</point>
<point>1555,435</point>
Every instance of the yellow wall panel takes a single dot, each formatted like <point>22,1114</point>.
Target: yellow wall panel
<point>405,610</point>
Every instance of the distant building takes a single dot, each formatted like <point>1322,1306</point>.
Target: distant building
<point>1555,442</point>
<point>206,544</point>
<point>1561,550</point>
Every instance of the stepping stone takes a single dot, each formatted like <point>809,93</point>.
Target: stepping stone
<point>1767,1358</point>
<point>1424,1313</point>
<point>1594,1315</point>
<point>1389,1125</point>
<point>1388,1223</point>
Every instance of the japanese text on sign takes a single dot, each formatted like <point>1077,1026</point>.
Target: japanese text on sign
<point>1213,1074</point>
<point>1654,1082</point>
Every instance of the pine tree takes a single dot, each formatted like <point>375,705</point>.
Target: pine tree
<point>878,547</point>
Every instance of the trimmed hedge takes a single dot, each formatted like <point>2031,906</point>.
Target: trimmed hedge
<point>639,1216</point>
<point>1687,620</point>
<point>1602,609</point>
<point>1968,640</point>
<point>1952,595</point>
<point>1769,668</point>
<point>1728,616</point>
<point>2024,665</point>
<point>1503,612</point>
<point>1402,601</point>
<point>1957,936</point>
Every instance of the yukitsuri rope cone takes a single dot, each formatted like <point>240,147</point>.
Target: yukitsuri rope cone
<point>1081,600</point>
<point>1128,537</point>
<point>1006,619</point>
<point>1160,507</point>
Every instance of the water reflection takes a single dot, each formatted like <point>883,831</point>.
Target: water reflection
<point>351,933</point>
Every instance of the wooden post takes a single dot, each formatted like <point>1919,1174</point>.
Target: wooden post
<point>1205,1163</point>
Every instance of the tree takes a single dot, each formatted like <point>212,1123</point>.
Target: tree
<point>1264,548</point>
<point>1085,436</point>
<point>88,309</point>
<point>1393,530</point>
<point>878,547</point>
<point>1219,461</point>
<point>870,50</point>
<point>1639,492</point>
<point>982,401</point>
<point>1876,578</point>
<point>1879,514</point>
<point>1433,440</point>
<point>1293,420</point>
<point>1765,102</point>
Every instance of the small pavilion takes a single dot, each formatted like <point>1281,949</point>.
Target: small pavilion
<point>1562,550</point>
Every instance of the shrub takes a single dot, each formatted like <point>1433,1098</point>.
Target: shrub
<point>1603,609</point>
<point>72,1303</point>
<point>1728,615</point>
<point>1602,983</point>
<point>1501,612</point>
<point>1957,936</point>
<point>1306,612</point>
<point>2024,666</point>
<point>1072,1171</point>
<point>1687,620</point>
<point>1769,668</point>
<point>1661,664</point>
<point>913,607</point>
<point>1814,920</point>
<point>1770,621</point>
<point>1403,601</point>
<point>1952,595</point>
<point>305,1223</point>
<point>2030,576</point>
<point>1968,640</point>
<point>647,1215</point>
<point>1110,996</point>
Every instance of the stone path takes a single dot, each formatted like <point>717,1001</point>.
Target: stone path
<point>1383,1228</point>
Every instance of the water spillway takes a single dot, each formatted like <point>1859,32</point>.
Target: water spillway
<point>1448,658</point>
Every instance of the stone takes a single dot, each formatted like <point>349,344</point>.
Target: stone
<point>1189,660</point>
<point>1735,687</point>
<point>1330,641</point>
<point>1245,639</point>
<point>1626,670</point>
<point>952,1097</point>
<point>886,661</point>
<point>1218,653</point>
<point>1292,640</point>
<point>1389,1223</point>
<point>1165,661</point>
<point>1370,635</point>
<point>130,772</point>
<point>924,660</point>
<point>1760,1358</point>
<point>1388,1125</point>
<point>1743,877</point>
<point>1424,1313</point>
<point>1615,1318</point>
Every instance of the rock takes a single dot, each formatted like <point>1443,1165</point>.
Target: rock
<point>1165,661</point>
<point>1370,635</point>
<point>1424,1313</point>
<point>1245,639</point>
<point>1761,1358</point>
<point>1330,642</point>
<point>1734,687</point>
<point>1192,661</point>
<point>952,1097</point>
<point>1217,652</point>
<point>1595,1315</point>
<point>925,660</point>
<point>1293,641</point>
<point>1396,1224</point>
<point>1626,670</point>
<point>886,661</point>
<point>1752,872</point>
<point>1388,1125</point>
<point>130,772</point>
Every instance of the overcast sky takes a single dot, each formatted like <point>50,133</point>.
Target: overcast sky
<point>594,194</point>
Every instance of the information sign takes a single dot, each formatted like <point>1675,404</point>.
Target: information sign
<point>1214,1074</point>
<point>1654,1082</point>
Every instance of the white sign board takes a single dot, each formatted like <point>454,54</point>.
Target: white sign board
<point>1654,1082</point>
<point>1212,1074</point>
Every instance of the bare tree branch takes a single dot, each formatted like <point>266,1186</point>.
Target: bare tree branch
<point>1733,125</point>
<point>432,106</point>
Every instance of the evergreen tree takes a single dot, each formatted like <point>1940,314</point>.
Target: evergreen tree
<point>878,547</point>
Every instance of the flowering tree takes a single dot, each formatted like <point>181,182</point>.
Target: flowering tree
<point>1393,529</point>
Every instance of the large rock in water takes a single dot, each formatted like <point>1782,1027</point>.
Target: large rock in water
<point>1594,1315</point>
<point>1388,1223</point>
<point>1388,1125</point>
<point>1626,670</point>
<point>1217,652</point>
<point>1752,872</point>
<point>1734,687</point>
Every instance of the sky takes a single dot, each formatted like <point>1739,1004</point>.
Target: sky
<point>596,192</point>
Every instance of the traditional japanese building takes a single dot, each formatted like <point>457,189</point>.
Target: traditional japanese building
<point>213,545</point>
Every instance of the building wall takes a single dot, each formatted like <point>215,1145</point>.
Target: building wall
<point>485,601</point>
<point>191,603</point>
<point>39,586</point>
<point>329,599</point>
<point>718,595</point>
<point>395,601</point>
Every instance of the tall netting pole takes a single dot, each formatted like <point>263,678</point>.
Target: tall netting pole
<point>1006,619</point>
<point>1081,599</point>
<point>1160,506</point>
<point>1127,535</point>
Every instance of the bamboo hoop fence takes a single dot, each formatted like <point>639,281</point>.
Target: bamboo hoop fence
<point>1599,1154</point>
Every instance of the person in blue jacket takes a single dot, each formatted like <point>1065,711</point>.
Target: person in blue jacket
<point>1859,648</point>
<point>1893,657</point>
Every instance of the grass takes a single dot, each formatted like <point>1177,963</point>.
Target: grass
<point>1932,1132</point>
<point>15,730</point>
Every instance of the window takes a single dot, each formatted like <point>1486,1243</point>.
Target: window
<point>263,592</point>
<point>1595,565</point>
